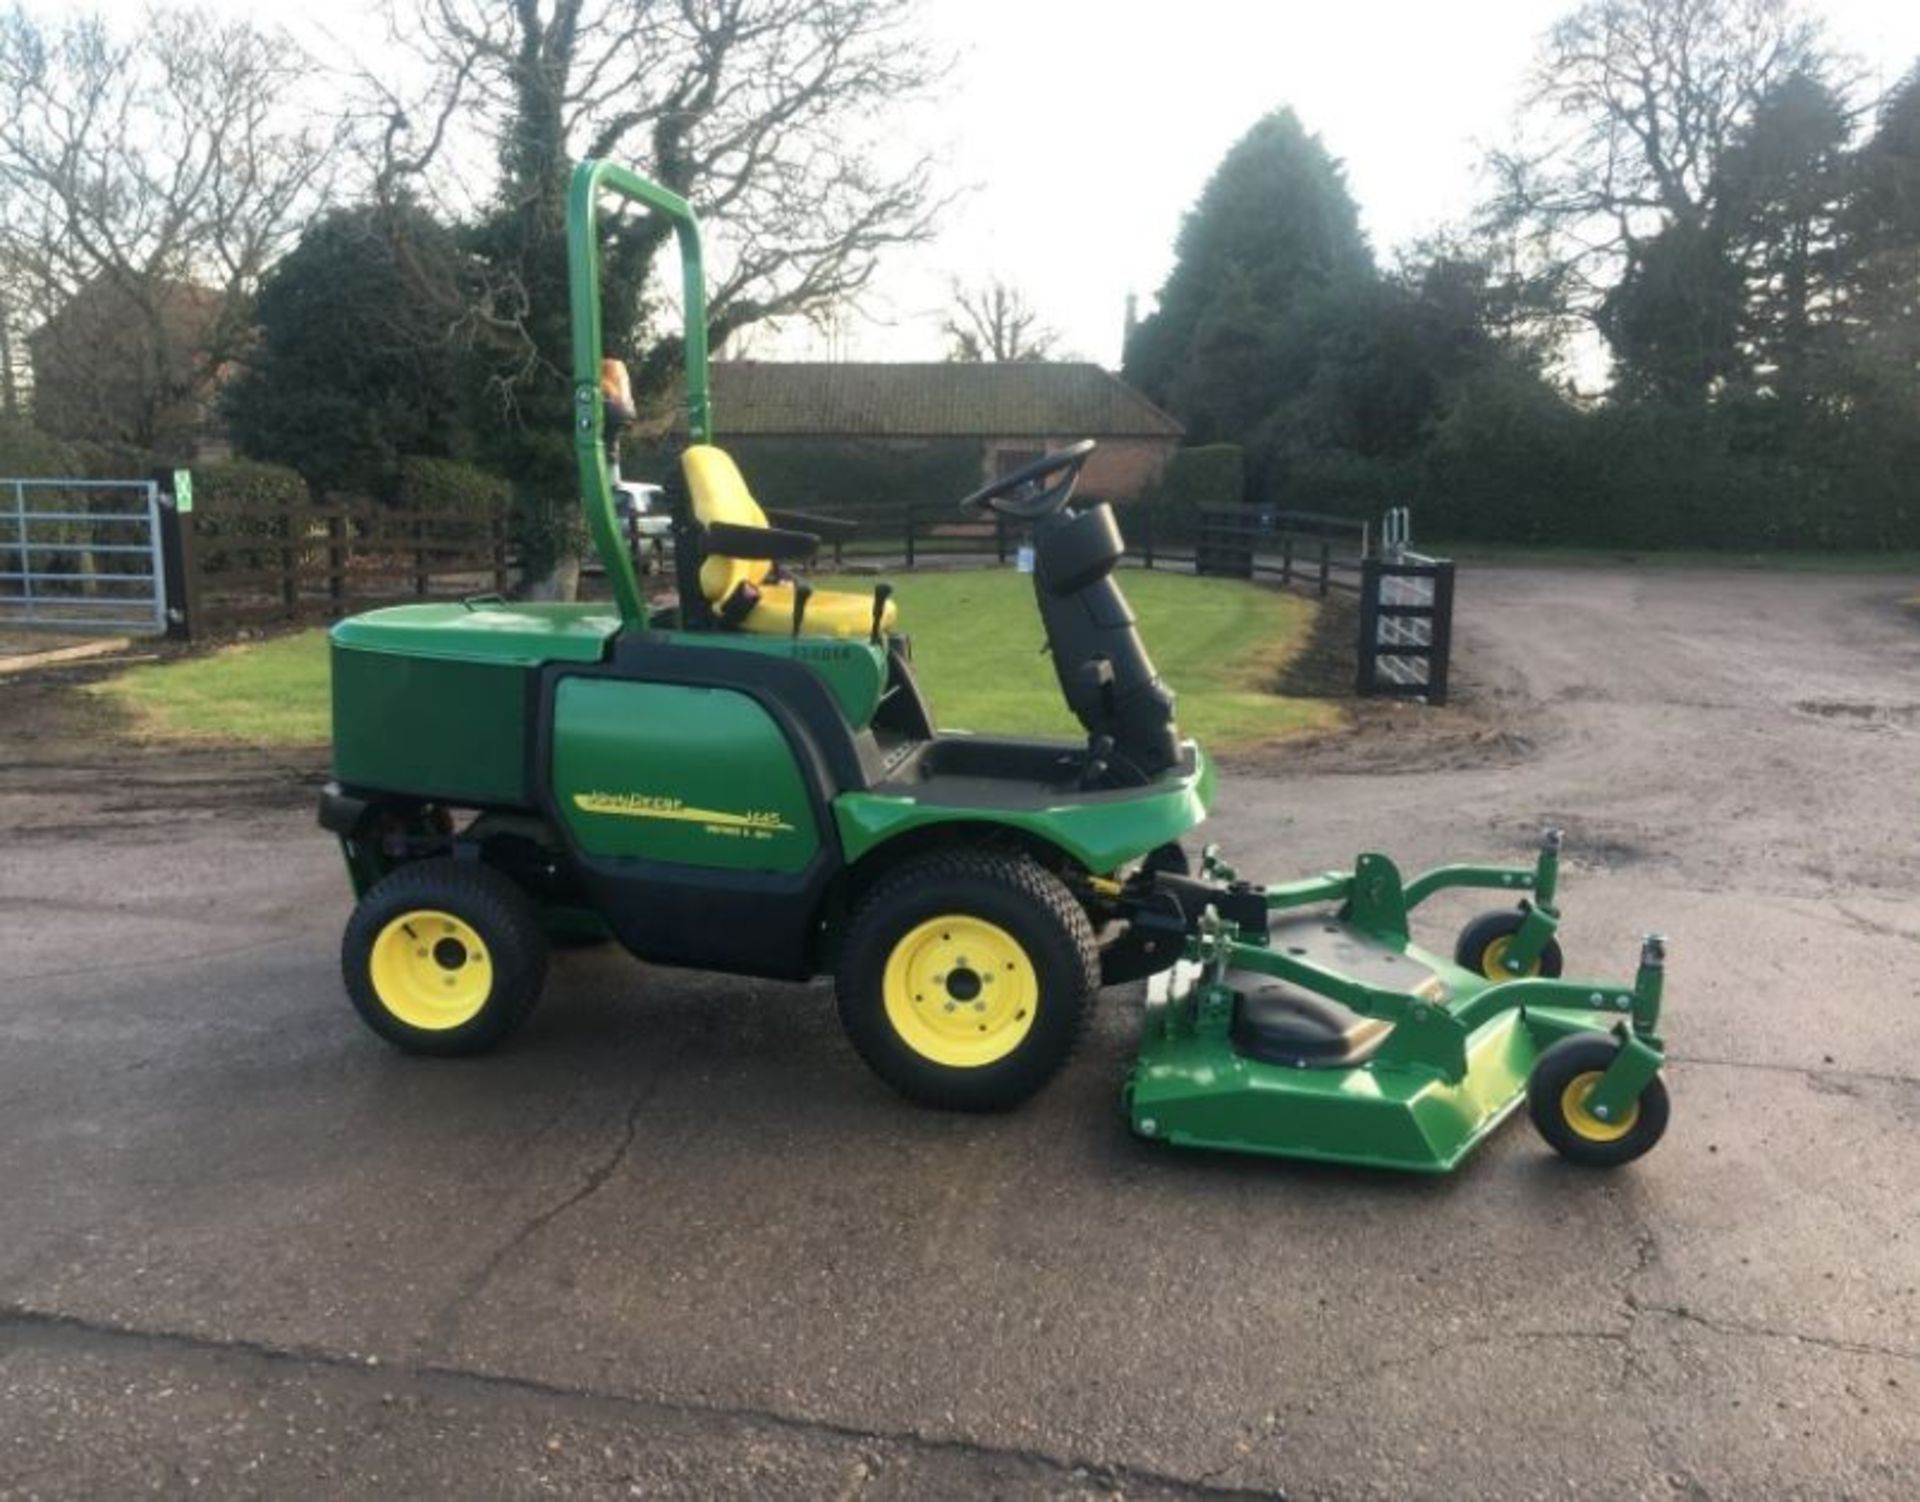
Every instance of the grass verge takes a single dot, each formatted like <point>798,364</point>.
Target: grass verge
<point>978,650</point>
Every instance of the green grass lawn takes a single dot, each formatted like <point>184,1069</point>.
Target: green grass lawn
<point>977,650</point>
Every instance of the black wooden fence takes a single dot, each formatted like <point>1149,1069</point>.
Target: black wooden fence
<point>262,565</point>
<point>1301,548</point>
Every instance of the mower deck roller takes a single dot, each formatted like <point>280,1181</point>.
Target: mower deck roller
<point>748,779</point>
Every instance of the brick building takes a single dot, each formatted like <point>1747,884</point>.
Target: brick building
<point>1007,414</point>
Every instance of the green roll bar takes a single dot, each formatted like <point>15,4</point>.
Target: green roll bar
<point>590,180</point>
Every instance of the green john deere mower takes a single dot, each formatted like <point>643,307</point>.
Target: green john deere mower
<point>750,781</point>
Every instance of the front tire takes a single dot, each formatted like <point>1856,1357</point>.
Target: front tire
<point>444,957</point>
<point>967,978</point>
<point>1557,1090</point>
<point>1482,948</point>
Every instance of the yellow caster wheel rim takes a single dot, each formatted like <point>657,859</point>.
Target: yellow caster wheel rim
<point>960,991</point>
<point>1573,1106</point>
<point>431,970</point>
<point>1494,962</point>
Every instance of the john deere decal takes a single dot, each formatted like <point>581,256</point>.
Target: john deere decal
<point>754,824</point>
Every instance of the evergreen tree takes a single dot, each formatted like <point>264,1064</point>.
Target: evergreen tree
<point>354,367</point>
<point>1274,226</point>
<point>1880,261</point>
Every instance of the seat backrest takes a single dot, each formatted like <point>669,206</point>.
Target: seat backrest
<point>720,494</point>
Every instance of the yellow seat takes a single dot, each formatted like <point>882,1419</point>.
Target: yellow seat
<point>720,495</point>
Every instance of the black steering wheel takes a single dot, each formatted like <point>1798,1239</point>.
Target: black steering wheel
<point>1024,495</point>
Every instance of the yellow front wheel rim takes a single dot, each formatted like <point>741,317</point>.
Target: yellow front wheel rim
<point>1573,1106</point>
<point>431,970</point>
<point>960,991</point>
<point>1493,962</point>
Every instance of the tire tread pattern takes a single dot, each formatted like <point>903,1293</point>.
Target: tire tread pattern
<point>1006,1083</point>
<point>503,914</point>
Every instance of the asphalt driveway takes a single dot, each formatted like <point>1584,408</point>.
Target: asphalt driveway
<point>675,1241</point>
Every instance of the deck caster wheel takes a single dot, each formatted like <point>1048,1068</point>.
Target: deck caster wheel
<point>444,957</point>
<point>1482,946</point>
<point>966,979</point>
<point>1557,1090</point>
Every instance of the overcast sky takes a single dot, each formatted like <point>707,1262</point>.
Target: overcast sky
<point>1081,131</point>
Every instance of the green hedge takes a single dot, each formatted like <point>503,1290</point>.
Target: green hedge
<point>236,501</point>
<point>1209,475</point>
<point>246,485</point>
<point>445,486</point>
<point>837,475</point>
<point>1507,466</point>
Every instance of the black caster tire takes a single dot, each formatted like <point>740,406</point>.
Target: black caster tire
<point>444,957</point>
<point>1483,943</point>
<point>967,978</point>
<point>1557,1088</point>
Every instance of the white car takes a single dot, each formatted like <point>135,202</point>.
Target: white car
<point>643,513</point>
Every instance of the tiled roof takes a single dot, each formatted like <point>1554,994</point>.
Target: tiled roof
<point>955,400</point>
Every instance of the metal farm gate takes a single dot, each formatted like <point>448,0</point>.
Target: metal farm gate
<point>1406,617</point>
<point>81,555</point>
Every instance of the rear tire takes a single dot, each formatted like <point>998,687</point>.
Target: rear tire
<point>444,957</point>
<point>967,978</point>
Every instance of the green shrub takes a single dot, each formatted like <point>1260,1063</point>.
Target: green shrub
<point>26,453</point>
<point>246,485</point>
<point>446,486</point>
<point>114,461</point>
<point>237,502</point>
<point>1508,465</point>
<point>1209,475</point>
<point>1212,475</point>
<point>1343,483</point>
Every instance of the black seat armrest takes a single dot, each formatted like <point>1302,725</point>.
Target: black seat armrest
<point>725,540</point>
<point>829,528</point>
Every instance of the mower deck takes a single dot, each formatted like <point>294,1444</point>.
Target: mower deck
<point>1197,1089</point>
<point>1332,1036</point>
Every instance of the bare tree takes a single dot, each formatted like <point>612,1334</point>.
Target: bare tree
<point>769,116</point>
<point>1632,106</point>
<point>151,179</point>
<point>994,322</point>
<point>13,305</point>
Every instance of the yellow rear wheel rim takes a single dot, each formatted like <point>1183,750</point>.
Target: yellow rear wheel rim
<point>1493,961</point>
<point>431,970</point>
<point>1573,1106</point>
<point>960,991</point>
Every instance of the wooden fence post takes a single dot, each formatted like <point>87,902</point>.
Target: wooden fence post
<point>1440,634</point>
<point>1369,644</point>
<point>1326,566</point>
<point>336,563</point>
<point>909,534</point>
<point>289,577</point>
